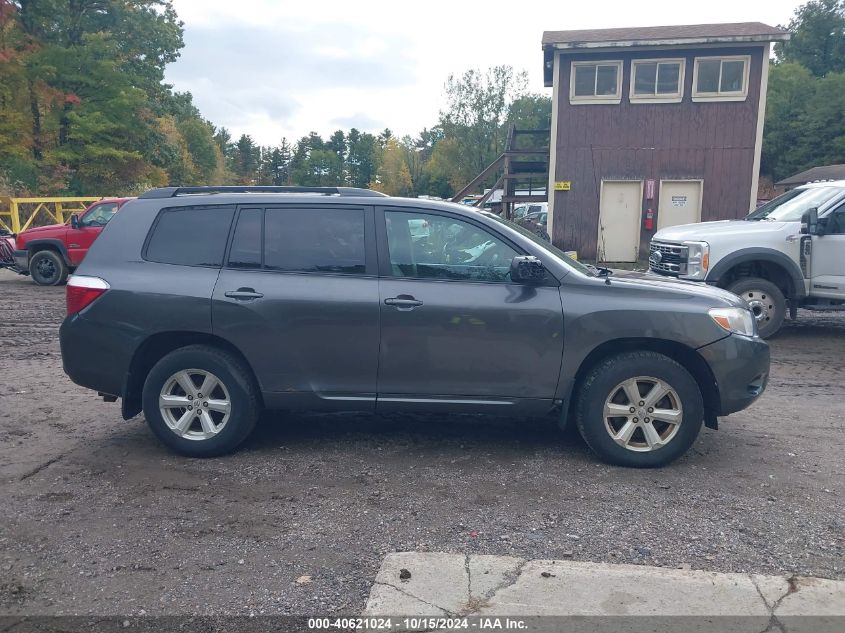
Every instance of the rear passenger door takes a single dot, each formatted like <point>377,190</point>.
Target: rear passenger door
<point>298,295</point>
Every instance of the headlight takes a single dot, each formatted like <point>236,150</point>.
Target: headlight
<point>698,259</point>
<point>738,320</point>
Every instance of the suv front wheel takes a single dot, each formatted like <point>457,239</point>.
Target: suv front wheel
<point>639,409</point>
<point>201,401</point>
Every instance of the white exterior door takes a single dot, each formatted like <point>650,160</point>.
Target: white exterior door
<point>619,221</point>
<point>680,203</point>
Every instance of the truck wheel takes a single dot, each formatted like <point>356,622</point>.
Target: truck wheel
<point>639,409</point>
<point>766,301</point>
<point>48,268</point>
<point>201,401</point>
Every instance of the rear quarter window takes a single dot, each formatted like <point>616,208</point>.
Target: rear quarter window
<point>190,236</point>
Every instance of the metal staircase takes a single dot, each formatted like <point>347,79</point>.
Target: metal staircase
<point>523,169</point>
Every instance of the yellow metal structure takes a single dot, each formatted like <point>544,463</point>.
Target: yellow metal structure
<point>18,214</point>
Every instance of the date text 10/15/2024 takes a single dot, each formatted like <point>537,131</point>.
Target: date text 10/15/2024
<point>417,623</point>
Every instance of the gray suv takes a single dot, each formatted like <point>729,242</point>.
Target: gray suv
<point>203,306</point>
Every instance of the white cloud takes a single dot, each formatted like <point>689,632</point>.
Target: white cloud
<point>272,68</point>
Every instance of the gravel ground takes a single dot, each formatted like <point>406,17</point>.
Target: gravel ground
<point>98,518</point>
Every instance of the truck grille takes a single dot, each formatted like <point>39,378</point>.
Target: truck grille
<point>667,259</point>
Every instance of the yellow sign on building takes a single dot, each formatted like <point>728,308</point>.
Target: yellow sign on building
<point>563,185</point>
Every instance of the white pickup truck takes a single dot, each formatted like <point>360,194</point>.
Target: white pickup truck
<point>785,255</point>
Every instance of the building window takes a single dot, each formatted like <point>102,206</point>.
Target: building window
<point>596,82</point>
<point>721,78</point>
<point>657,80</point>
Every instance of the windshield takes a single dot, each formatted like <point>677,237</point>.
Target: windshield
<point>554,250</point>
<point>791,206</point>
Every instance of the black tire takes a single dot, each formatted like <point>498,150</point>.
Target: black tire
<point>235,377</point>
<point>767,302</point>
<point>602,382</point>
<point>47,268</point>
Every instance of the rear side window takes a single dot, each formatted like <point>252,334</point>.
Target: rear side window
<point>190,236</point>
<point>314,240</point>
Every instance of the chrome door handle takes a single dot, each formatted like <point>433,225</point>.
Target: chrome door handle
<point>243,294</point>
<point>403,302</point>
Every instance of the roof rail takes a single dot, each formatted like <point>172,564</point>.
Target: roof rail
<point>172,192</point>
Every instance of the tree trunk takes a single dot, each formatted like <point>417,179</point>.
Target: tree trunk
<point>37,146</point>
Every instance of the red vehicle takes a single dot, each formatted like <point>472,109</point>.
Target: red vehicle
<point>50,253</point>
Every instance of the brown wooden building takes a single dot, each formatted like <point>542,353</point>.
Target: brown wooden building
<point>652,127</point>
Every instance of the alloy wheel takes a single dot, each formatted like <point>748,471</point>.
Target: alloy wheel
<point>195,404</point>
<point>643,414</point>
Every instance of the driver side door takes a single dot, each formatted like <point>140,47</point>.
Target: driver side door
<point>91,224</point>
<point>454,329</point>
<point>828,263</point>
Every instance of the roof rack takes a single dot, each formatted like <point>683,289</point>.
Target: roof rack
<point>172,192</point>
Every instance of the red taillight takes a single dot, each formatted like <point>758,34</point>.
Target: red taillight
<point>82,291</point>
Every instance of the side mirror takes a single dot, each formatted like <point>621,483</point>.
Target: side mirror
<point>527,269</point>
<point>810,222</point>
<point>74,221</point>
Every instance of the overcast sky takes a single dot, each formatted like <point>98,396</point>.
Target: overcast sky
<point>274,68</point>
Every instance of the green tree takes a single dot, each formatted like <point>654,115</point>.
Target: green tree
<point>394,176</point>
<point>791,88</point>
<point>223,138</point>
<point>476,114</point>
<point>531,112</point>
<point>817,37</point>
<point>361,158</point>
<point>824,123</point>
<point>278,164</point>
<point>300,165</point>
<point>88,79</point>
<point>440,174</point>
<point>204,152</point>
<point>246,157</point>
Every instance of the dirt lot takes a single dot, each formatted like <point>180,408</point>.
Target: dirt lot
<point>98,518</point>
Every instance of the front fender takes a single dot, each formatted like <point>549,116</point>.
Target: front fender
<point>769,255</point>
<point>36,245</point>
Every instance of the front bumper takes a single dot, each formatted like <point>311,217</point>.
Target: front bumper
<point>740,365</point>
<point>21,259</point>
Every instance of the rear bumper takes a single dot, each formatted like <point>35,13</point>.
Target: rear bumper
<point>740,365</point>
<point>94,355</point>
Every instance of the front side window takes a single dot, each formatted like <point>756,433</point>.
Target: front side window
<point>657,80</point>
<point>314,240</point>
<point>100,215</point>
<point>836,221</point>
<point>427,246</point>
<point>721,78</point>
<point>593,82</point>
<point>190,236</point>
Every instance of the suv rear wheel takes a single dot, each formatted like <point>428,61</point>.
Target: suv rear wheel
<point>47,268</point>
<point>766,300</point>
<point>201,401</point>
<point>639,409</point>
